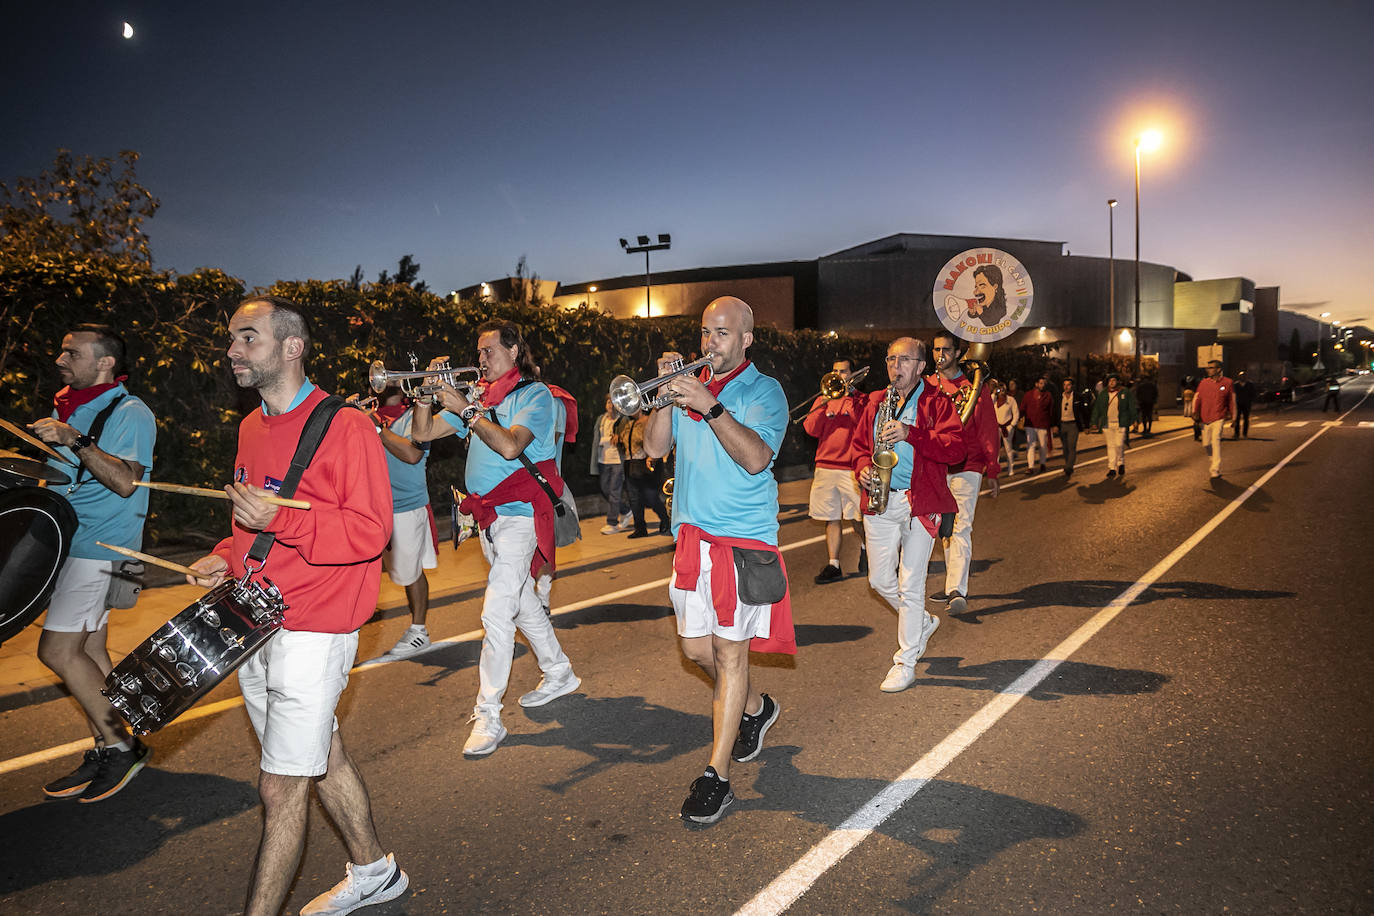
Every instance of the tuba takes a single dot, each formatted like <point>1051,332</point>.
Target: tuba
<point>884,458</point>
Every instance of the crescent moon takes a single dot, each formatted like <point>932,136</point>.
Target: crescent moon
<point>128,30</point>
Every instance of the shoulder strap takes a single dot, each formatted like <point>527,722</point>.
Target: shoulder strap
<point>316,425</point>
<point>98,427</point>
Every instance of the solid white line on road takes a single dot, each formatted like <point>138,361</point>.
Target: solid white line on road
<point>787,887</point>
<point>210,709</point>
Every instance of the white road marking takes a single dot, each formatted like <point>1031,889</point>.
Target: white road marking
<point>1298,424</point>
<point>1367,423</point>
<point>787,887</point>
<point>210,709</point>
<point>1158,440</point>
<point>1262,425</point>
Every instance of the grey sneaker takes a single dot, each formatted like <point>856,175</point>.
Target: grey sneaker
<point>487,733</point>
<point>548,690</point>
<point>414,640</point>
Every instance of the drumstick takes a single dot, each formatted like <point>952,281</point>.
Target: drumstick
<point>148,558</point>
<point>217,494</point>
<point>36,442</point>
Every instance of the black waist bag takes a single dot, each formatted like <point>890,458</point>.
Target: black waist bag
<point>759,578</point>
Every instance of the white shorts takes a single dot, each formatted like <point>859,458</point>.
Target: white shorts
<point>78,597</point>
<point>411,551</point>
<point>290,688</point>
<point>834,495</point>
<point>696,615</point>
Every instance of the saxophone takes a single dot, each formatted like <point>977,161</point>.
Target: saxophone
<point>884,458</point>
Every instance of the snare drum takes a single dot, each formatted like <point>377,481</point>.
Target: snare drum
<point>191,653</point>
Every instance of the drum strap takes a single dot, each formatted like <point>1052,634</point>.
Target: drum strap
<point>316,425</point>
<point>97,427</point>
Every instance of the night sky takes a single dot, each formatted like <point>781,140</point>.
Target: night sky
<point>296,140</point>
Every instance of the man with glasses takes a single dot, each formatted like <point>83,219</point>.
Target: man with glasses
<point>926,435</point>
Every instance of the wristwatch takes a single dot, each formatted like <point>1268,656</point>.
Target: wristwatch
<point>469,413</point>
<point>82,441</point>
<point>715,411</point>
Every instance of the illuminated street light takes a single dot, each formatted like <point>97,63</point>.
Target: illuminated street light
<point>665,241</point>
<point>1149,142</point>
<point>1111,271</point>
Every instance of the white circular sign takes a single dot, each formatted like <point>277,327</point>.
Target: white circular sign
<point>983,295</point>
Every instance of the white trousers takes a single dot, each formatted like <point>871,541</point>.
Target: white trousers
<point>1007,435</point>
<point>1115,438</point>
<point>511,603</point>
<point>964,486</point>
<point>1212,435</point>
<point>898,556</point>
<point>1037,447</point>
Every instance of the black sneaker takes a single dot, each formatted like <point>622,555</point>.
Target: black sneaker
<point>75,782</point>
<point>115,772</point>
<point>639,534</point>
<point>1111,473</point>
<point>749,741</point>
<point>1121,471</point>
<point>708,799</point>
<point>863,562</point>
<point>831,573</point>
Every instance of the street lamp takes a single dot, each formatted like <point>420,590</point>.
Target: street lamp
<point>1149,142</point>
<point>590,290</point>
<point>665,241</point>
<point>1111,271</point>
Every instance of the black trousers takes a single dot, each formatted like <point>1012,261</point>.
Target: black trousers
<point>1240,426</point>
<point>644,486</point>
<point>1068,437</point>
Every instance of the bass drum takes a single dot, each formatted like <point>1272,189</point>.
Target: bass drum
<point>36,529</point>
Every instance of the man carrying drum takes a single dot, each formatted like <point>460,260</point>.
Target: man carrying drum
<point>110,434</point>
<point>326,561</point>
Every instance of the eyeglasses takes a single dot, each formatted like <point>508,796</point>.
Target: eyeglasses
<point>893,360</point>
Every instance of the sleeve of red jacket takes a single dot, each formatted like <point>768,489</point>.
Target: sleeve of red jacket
<point>861,454</point>
<point>356,525</point>
<point>942,441</point>
<point>815,419</point>
<point>986,435</point>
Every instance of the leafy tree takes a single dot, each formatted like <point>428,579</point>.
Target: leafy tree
<point>407,274</point>
<point>83,205</point>
<point>356,281</point>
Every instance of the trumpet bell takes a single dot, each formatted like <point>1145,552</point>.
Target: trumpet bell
<point>377,376</point>
<point>626,396</point>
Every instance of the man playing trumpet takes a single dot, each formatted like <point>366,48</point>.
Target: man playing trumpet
<point>927,437</point>
<point>725,517</point>
<point>514,513</point>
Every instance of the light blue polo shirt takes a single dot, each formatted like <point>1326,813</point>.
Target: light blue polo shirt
<point>531,407</point>
<point>101,513</point>
<point>906,455</point>
<point>409,489</point>
<point>712,491</point>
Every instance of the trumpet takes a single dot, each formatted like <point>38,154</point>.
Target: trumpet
<point>668,495</point>
<point>833,386</point>
<point>627,395</point>
<point>363,403</point>
<point>380,378</point>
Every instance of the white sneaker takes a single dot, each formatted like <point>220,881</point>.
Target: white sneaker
<point>487,733</point>
<point>414,639</point>
<point>899,678</point>
<point>548,690</point>
<point>353,892</point>
<point>932,624</point>
<point>627,521</point>
<point>608,528</point>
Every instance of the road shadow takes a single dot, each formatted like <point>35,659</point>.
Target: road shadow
<point>1095,593</point>
<point>60,840</point>
<point>611,613</point>
<point>1048,486</point>
<point>1069,679</point>
<point>956,828</point>
<point>612,731</point>
<point>820,634</point>
<point>1224,489</point>
<point>1108,488</point>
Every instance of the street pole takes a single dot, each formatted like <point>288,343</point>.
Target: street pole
<point>1111,272</point>
<point>1137,258</point>
<point>648,282</point>
<point>665,241</point>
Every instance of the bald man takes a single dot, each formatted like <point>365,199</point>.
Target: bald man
<point>730,586</point>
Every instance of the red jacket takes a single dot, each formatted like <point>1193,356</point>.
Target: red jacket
<point>833,423</point>
<point>1038,409</point>
<point>981,439</point>
<point>1215,399</point>
<point>327,559</point>
<point>937,439</point>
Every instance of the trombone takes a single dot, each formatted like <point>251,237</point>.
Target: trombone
<point>832,386</point>
<point>380,378</point>
<point>627,395</point>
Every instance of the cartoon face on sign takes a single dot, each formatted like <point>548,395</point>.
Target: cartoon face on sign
<point>983,295</point>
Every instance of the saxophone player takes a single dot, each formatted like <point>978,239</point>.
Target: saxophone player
<point>925,433</point>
